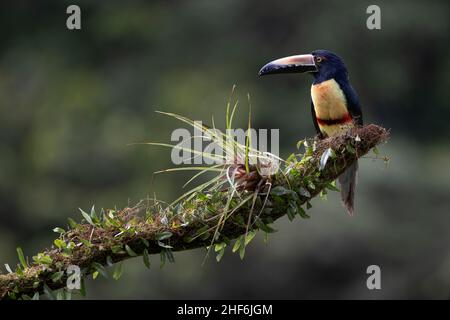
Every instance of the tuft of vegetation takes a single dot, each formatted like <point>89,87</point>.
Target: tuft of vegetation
<point>248,192</point>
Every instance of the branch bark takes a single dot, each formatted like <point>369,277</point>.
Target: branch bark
<point>108,242</point>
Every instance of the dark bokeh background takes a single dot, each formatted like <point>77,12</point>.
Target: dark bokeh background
<point>71,101</point>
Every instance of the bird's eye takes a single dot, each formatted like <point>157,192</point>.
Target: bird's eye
<point>319,59</point>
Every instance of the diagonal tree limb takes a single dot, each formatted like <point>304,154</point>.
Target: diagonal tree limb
<point>99,244</point>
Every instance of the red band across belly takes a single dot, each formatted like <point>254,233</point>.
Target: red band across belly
<point>330,122</point>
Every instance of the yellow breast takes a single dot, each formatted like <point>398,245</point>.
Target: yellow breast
<point>329,100</point>
<point>330,104</point>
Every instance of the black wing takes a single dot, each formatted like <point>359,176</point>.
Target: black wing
<point>314,119</point>
<point>353,105</point>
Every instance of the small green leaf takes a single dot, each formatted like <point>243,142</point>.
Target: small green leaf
<point>163,258</point>
<point>375,151</point>
<point>57,276</point>
<point>35,296</point>
<point>169,255</point>
<point>82,288</point>
<point>60,295</point>
<point>60,244</point>
<point>163,235</point>
<point>290,213</point>
<point>279,191</point>
<point>163,245</point>
<point>240,220</point>
<point>350,149</point>
<point>219,246</point>
<point>332,186</point>
<point>19,270</point>
<point>304,193</point>
<point>205,236</point>
<point>177,209</point>
<point>250,236</point>
<point>118,271</point>
<point>42,258</point>
<point>130,251</point>
<point>95,274</point>
<point>109,218</point>
<point>264,227</point>
<point>87,217</point>
<point>219,256</point>
<point>59,230</point>
<point>71,245</point>
<point>242,252</point>
<point>299,143</point>
<point>309,149</point>
<point>86,242</point>
<point>72,223</point>
<point>291,158</point>
<point>100,269</point>
<point>117,249</point>
<point>237,244</point>
<point>93,214</point>
<point>21,257</point>
<point>188,239</point>
<point>8,268</point>
<point>302,213</point>
<point>109,261</point>
<point>146,258</point>
<point>48,292</point>
<point>145,242</point>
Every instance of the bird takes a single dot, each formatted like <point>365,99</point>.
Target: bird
<point>335,105</point>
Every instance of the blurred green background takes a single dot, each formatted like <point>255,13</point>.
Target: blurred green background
<point>71,101</point>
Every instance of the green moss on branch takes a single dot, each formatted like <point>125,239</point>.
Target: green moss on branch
<point>217,218</point>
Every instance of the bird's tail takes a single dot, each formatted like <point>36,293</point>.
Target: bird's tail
<point>347,180</point>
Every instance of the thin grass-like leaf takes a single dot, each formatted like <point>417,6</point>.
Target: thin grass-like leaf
<point>249,136</point>
<point>203,168</point>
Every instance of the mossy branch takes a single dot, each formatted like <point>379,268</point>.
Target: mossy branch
<point>150,228</point>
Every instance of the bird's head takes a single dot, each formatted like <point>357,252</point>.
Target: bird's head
<point>322,64</point>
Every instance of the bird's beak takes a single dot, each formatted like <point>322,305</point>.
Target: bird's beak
<point>293,64</point>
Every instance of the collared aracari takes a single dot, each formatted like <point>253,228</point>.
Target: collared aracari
<point>335,105</point>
